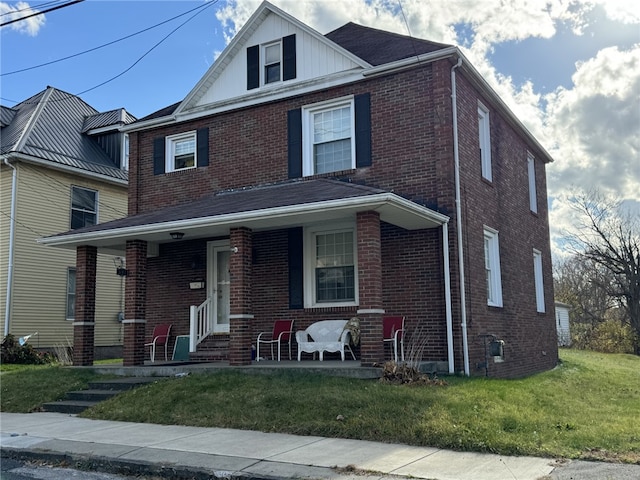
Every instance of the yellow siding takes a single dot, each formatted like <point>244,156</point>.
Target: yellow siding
<point>40,272</point>
<point>5,209</point>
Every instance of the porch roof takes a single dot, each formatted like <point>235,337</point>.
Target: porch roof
<point>289,204</point>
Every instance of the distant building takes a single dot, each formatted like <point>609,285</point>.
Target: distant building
<point>562,324</point>
<point>62,167</point>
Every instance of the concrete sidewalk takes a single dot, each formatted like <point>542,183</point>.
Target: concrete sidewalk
<point>193,452</point>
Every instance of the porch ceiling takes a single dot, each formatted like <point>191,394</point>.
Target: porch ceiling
<point>271,207</point>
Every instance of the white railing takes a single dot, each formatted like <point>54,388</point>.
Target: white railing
<point>200,325</point>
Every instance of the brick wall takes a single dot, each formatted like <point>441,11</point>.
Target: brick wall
<point>412,153</point>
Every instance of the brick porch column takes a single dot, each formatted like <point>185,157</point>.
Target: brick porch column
<point>370,288</point>
<point>135,303</point>
<point>85,314</point>
<point>240,318</point>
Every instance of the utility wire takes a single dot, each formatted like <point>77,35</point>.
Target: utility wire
<point>32,8</point>
<point>40,12</point>
<point>204,5</point>
<point>150,50</point>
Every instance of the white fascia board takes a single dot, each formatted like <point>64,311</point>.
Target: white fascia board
<point>146,125</point>
<point>412,62</point>
<point>68,169</point>
<point>387,203</point>
<point>271,95</point>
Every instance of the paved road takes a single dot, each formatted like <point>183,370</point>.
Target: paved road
<point>11,469</point>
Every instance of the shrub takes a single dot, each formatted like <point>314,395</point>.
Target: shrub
<point>13,352</point>
<point>610,336</point>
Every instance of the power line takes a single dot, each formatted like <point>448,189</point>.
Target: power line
<point>150,50</point>
<point>41,12</point>
<point>204,5</point>
<point>32,8</point>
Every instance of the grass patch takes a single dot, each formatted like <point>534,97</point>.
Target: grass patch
<point>24,388</point>
<point>588,407</point>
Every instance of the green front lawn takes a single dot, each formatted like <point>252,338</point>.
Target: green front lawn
<point>588,407</point>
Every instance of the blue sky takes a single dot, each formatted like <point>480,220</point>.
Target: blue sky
<point>569,70</point>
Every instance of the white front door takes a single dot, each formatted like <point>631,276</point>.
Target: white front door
<point>218,284</point>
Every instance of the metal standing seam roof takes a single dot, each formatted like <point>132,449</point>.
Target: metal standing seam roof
<point>6,115</point>
<point>49,126</point>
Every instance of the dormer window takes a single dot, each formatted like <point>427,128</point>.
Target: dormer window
<point>271,62</point>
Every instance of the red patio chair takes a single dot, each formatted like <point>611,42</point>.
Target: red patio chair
<point>282,332</point>
<point>393,332</point>
<point>160,337</point>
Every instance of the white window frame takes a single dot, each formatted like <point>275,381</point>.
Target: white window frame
<point>263,72</point>
<point>310,235</point>
<point>308,162</point>
<point>539,281</point>
<point>72,208</point>
<point>71,296</point>
<point>492,267</point>
<point>531,173</point>
<point>124,164</point>
<point>170,144</point>
<point>484,141</point>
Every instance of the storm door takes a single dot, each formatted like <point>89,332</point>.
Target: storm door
<point>218,284</point>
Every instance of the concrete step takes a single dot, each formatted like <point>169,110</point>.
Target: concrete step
<point>92,395</point>
<point>68,406</point>
<point>98,391</point>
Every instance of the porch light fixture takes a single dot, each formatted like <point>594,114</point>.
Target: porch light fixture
<point>119,263</point>
<point>176,235</point>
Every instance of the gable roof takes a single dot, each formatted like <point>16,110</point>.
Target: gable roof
<point>49,127</point>
<point>378,47</point>
<point>237,45</point>
<point>112,118</point>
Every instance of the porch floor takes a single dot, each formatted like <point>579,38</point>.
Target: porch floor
<point>348,368</point>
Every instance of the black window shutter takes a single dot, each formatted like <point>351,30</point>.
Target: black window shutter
<point>202,142</point>
<point>294,142</point>
<point>296,272</point>
<point>158,155</point>
<point>289,57</point>
<point>253,67</point>
<point>363,130</point>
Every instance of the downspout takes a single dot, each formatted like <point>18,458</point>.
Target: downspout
<point>447,297</point>
<point>12,227</point>
<point>456,157</point>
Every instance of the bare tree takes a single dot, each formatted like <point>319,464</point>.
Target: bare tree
<point>608,235</point>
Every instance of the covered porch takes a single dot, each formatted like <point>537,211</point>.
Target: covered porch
<point>221,243</point>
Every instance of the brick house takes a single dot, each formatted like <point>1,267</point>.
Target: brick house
<point>307,176</point>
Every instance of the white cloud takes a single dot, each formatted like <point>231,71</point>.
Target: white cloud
<point>592,128</point>
<point>30,26</point>
<point>595,126</point>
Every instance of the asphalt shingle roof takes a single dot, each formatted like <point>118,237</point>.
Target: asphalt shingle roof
<point>290,193</point>
<point>378,47</point>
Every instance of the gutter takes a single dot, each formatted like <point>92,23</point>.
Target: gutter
<point>370,202</point>
<point>12,228</point>
<point>456,156</point>
<point>67,168</point>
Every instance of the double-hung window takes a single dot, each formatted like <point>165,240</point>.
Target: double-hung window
<point>492,267</point>
<point>71,293</point>
<point>328,136</point>
<point>272,63</point>
<point>531,173</point>
<point>539,284</point>
<point>181,152</point>
<point>84,207</point>
<point>484,139</point>
<point>330,276</point>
